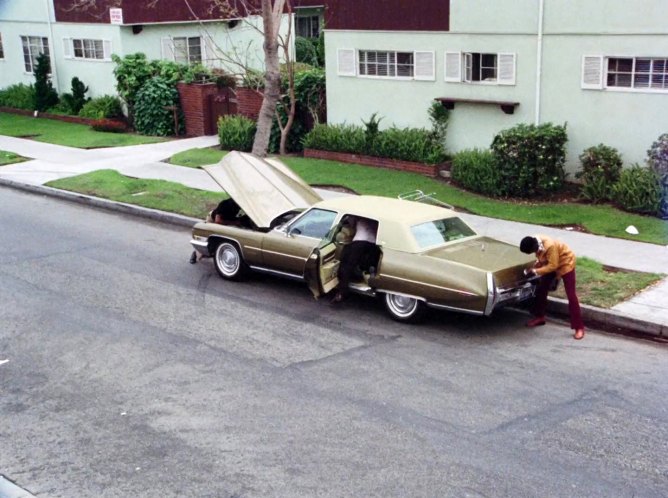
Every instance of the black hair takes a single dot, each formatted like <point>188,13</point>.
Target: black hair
<point>529,245</point>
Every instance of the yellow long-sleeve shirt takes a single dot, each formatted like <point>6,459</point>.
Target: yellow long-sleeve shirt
<point>555,256</point>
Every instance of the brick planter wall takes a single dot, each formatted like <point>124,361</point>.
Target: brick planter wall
<point>379,162</point>
<point>249,102</point>
<point>194,102</point>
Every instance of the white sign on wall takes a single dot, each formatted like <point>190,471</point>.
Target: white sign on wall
<point>116,16</point>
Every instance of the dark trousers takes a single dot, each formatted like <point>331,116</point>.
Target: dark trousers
<point>351,256</point>
<point>540,303</point>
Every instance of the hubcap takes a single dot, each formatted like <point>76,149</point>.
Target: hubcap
<point>228,260</point>
<point>401,305</point>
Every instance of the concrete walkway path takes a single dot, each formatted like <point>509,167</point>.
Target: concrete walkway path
<point>52,162</point>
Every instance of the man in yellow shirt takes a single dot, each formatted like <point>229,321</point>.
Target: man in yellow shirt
<point>554,259</point>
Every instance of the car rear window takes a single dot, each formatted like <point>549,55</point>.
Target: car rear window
<point>433,233</point>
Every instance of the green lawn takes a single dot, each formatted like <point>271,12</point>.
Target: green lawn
<point>10,158</point>
<point>598,219</point>
<point>69,134</point>
<point>156,194</point>
<point>604,287</point>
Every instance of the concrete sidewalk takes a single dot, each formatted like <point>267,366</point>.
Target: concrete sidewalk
<point>144,161</point>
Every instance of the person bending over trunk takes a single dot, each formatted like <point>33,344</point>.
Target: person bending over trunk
<point>554,259</point>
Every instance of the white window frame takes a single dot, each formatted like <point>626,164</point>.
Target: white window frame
<point>32,58</point>
<point>422,64</point>
<point>635,73</point>
<point>169,49</point>
<point>459,68</point>
<point>70,49</point>
<point>595,72</point>
<point>2,50</point>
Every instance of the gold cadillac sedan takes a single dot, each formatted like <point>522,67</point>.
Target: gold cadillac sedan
<point>425,256</point>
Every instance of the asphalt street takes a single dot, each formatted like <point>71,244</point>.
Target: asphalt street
<point>132,373</point>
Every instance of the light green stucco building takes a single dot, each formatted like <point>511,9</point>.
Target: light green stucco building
<point>599,66</point>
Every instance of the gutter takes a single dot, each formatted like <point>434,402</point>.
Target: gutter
<point>52,48</point>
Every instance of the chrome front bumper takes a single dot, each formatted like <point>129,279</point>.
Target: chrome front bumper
<point>201,245</point>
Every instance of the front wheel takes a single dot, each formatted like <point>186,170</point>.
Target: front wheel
<point>229,262</point>
<point>404,308</point>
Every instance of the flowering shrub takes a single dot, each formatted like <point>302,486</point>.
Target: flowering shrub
<point>657,156</point>
<point>531,159</point>
<point>601,166</point>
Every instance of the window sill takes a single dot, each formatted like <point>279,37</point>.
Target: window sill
<point>507,107</point>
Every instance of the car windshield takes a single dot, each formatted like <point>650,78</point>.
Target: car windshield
<point>433,233</point>
<point>314,223</point>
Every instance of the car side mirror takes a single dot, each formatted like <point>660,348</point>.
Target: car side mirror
<point>293,231</point>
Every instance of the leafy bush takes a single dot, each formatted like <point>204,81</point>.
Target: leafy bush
<point>109,125</point>
<point>601,166</point>
<point>19,96</point>
<point>295,137</point>
<point>336,138</point>
<point>223,79</point>
<point>657,156</point>
<point>310,87</point>
<point>106,106</point>
<point>408,144</point>
<point>306,51</point>
<point>236,132</point>
<point>439,116</point>
<point>45,96</point>
<point>638,190</point>
<point>72,103</point>
<point>476,170</point>
<point>152,113</point>
<point>531,158</point>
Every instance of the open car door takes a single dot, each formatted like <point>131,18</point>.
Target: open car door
<point>322,266</point>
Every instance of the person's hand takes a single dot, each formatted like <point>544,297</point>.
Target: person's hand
<point>529,271</point>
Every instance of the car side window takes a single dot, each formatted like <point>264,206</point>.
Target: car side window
<point>315,223</point>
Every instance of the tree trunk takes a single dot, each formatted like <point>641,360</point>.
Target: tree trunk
<point>272,77</point>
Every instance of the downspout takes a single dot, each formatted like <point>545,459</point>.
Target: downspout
<point>539,60</point>
<point>52,48</point>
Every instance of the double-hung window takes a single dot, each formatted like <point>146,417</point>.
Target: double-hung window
<point>625,73</point>
<point>32,47</point>
<point>2,51</point>
<point>183,49</point>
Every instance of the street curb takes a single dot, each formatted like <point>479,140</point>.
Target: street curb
<point>608,320</point>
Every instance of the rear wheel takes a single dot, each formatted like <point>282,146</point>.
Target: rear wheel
<point>404,308</point>
<point>229,262</point>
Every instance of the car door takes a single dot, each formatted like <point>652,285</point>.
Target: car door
<point>288,248</point>
<point>322,265</point>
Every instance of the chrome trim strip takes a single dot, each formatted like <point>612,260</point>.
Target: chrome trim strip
<point>458,291</point>
<point>491,301</point>
<point>286,255</point>
<point>201,246</point>
<point>292,276</point>
<point>454,308</point>
<point>383,291</point>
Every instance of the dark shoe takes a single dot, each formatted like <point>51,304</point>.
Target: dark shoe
<point>338,297</point>
<point>579,334</point>
<point>536,322</point>
<point>193,258</point>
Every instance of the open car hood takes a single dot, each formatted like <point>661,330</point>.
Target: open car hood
<point>263,188</point>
